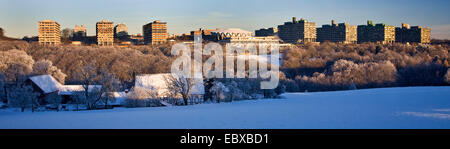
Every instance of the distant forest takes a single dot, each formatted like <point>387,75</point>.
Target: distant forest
<point>331,66</point>
<point>310,67</point>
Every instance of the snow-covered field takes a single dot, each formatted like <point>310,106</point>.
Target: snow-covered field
<point>412,107</point>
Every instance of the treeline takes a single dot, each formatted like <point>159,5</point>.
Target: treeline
<point>125,63</point>
<point>331,66</point>
<point>312,67</point>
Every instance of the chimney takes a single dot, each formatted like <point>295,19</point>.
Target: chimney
<point>294,19</point>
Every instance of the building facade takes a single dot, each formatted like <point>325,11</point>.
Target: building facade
<point>236,35</point>
<point>297,31</point>
<point>49,32</point>
<point>155,32</point>
<point>266,32</point>
<point>137,39</point>
<point>79,33</point>
<point>105,33</point>
<point>205,33</point>
<point>340,33</point>
<point>379,33</point>
<point>120,30</point>
<point>415,34</point>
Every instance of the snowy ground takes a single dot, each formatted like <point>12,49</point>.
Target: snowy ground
<point>414,107</point>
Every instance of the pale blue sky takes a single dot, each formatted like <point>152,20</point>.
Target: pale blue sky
<point>19,17</point>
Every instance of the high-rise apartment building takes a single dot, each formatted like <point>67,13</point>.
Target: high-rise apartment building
<point>79,33</point>
<point>266,32</point>
<point>297,31</point>
<point>155,32</point>
<point>120,30</point>
<point>105,33</point>
<point>49,32</point>
<point>415,34</point>
<point>379,33</point>
<point>341,33</point>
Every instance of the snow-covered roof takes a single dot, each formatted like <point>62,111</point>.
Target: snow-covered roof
<point>120,98</point>
<point>71,89</point>
<point>46,83</point>
<point>158,83</point>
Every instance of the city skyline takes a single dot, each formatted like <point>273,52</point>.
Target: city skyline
<point>19,18</point>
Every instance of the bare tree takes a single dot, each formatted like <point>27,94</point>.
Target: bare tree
<point>109,84</point>
<point>180,86</point>
<point>447,76</point>
<point>88,76</point>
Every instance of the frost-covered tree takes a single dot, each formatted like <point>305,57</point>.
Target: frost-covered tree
<point>180,86</point>
<point>109,84</point>
<point>234,92</point>
<point>219,91</point>
<point>23,96</point>
<point>17,72</point>
<point>138,97</point>
<point>43,67</point>
<point>15,64</point>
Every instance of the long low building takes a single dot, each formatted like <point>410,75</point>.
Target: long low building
<point>236,35</point>
<point>46,85</point>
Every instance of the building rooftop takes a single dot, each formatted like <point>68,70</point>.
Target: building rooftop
<point>46,83</point>
<point>233,30</point>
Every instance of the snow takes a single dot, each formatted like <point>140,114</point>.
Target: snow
<point>119,97</point>
<point>401,108</point>
<point>71,89</point>
<point>165,103</point>
<point>47,83</point>
<point>158,82</point>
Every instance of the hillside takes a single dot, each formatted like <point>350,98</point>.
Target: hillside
<point>3,37</point>
<point>411,107</point>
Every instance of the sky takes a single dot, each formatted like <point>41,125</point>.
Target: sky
<point>20,17</point>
